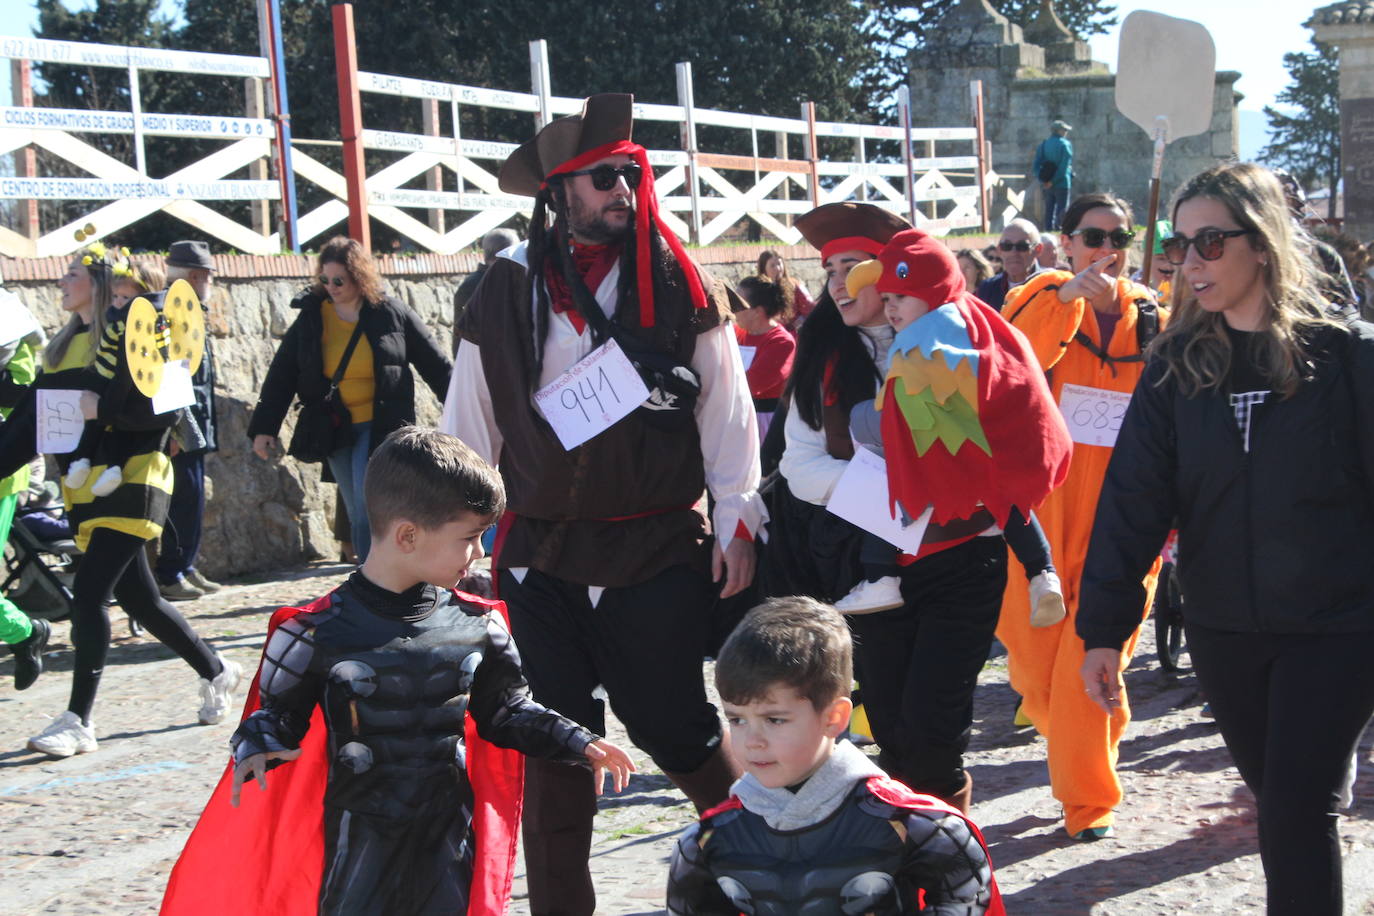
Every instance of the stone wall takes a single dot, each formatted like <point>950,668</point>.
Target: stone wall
<point>1045,73</point>
<point>266,515</point>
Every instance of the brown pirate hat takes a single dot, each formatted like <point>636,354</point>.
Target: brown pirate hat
<point>847,226</point>
<point>605,119</point>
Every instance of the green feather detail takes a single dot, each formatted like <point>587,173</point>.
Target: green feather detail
<point>954,422</point>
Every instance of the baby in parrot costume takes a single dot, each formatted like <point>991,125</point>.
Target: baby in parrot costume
<point>964,419</point>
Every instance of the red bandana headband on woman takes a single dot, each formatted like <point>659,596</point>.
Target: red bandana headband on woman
<point>646,211</point>
<point>850,243</point>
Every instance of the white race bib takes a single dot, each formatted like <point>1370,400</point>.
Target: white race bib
<point>860,498</point>
<point>1093,414</point>
<point>59,421</point>
<point>594,394</point>
<point>176,390</point>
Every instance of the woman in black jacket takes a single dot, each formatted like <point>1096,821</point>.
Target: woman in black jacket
<point>377,387</point>
<point>1254,426</point>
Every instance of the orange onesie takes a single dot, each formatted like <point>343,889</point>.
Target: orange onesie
<point>1044,663</point>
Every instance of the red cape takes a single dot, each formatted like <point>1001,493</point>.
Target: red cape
<point>1025,432</point>
<point>896,793</point>
<point>267,855</point>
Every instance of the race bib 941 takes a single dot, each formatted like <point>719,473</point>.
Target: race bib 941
<point>594,394</point>
<point>1093,414</point>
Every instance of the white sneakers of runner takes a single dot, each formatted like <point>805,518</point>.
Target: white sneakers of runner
<point>869,597</point>
<point>216,695</point>
<point>1046,600</point>
<point>66,735</point>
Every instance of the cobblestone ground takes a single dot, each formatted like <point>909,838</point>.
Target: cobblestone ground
<point>98,833</point>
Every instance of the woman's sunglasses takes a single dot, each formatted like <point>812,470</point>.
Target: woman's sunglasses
<point>1210,243</point>
<point>604,177</point>
<point>1096,238</point>
<point>336,282</point>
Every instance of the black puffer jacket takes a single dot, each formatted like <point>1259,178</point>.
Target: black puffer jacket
<point>1275,540</point>
<point>398,340</point>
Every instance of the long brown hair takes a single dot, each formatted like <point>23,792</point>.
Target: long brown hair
<point>1195,345</point>
<point>354,259</point>
<point>784,280</point>
<point>102,286</point>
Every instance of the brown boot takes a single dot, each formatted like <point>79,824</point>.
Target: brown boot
<point>709,784</point>
<point>560,802</point>
<point>963,799</point>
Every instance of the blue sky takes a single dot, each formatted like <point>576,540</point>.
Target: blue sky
<point>1242,44</point>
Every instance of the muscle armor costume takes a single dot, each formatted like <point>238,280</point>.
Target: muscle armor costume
<point>393,675</point>
<point>883,852</point>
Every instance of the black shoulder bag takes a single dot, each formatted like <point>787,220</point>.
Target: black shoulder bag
<point>325,426</point>
<point>673,386</point>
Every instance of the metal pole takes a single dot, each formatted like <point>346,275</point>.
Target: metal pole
<point>689,143</point>
<point>862,160</point>
<point>457,138</point>
<point>976,88</point>
<point>136,106</point>
<point>351,124</point>
<point>26,162</point>
<point>904,109</point>
<point>434,178</point>
<point>269,15</point>
<point>809,112</point>
<point>539,80</point>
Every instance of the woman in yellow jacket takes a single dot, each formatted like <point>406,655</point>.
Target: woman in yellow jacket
<point>1087,328</point>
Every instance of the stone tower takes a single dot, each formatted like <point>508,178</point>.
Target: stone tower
<point>1033,76</point>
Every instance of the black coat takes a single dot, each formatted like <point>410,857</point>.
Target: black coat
<point>1273,540</point>
<point>398,340</point>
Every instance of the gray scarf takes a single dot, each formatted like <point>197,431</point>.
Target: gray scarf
<point>818,797</point>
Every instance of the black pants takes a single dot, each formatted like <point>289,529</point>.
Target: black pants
<point>181,532</point>
<point>921,661</point>
<point>1291,709</point>
<point>643,643</point>
<point>115,562</point>
<point>1023,535</point>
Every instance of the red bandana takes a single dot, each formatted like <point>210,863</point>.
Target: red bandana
<point>646,211</point>
<point>593,263</point>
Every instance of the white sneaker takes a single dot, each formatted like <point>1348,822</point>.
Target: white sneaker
<point>1046,600</point>
<point>77,472</point>
<point>108,481</point>
<point>869,597</point>
<point>64,736</point>
<point>216,695</point>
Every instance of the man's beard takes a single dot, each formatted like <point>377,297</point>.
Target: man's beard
<point>593,226</point>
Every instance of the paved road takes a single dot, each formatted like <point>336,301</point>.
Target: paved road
<point>97,834</point>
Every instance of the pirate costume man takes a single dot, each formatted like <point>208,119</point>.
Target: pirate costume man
<point>605,560</point>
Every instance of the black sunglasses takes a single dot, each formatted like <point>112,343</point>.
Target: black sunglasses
<point>1096,238</point>
<point>337,281</point>
<point>1210,243</point>
<point>1022,245</point>
<point>604,177</point>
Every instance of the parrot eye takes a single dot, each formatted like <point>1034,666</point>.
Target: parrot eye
<point>902,270</point>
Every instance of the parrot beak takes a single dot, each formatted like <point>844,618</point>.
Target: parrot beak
<point>863,275</point>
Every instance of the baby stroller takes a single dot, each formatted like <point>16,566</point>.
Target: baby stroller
<point>40,563</point>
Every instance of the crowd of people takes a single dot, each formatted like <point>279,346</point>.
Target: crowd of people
<point>1029,423</point>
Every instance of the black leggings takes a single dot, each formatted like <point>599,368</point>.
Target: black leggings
<point>115,562</point>
<point>1291,708</point>
<point>1023,535</point>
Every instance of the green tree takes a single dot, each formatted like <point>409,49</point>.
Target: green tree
<point>1307,142</point>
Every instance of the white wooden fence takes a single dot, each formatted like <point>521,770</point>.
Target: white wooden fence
<point>441,192</point>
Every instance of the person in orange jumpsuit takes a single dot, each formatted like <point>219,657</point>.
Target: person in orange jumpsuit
<point>1068,316</point>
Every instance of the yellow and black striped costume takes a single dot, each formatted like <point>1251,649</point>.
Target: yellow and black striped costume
<point>127,431</point>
